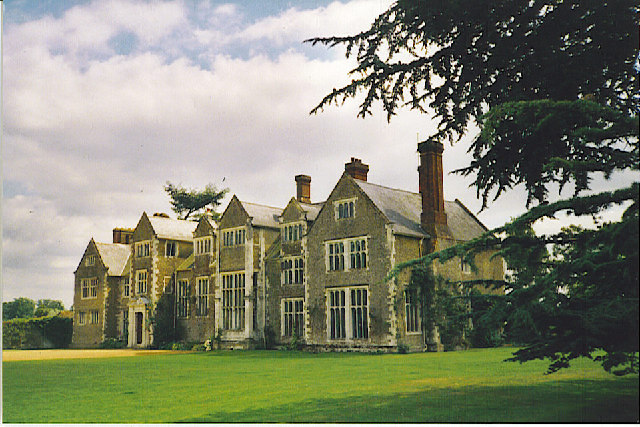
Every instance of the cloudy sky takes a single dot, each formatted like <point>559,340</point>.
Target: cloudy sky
<point>105,101</point>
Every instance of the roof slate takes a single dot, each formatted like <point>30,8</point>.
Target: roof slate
<point>312,209</point>
<point>263,216</point>
<point>462,223</point>
<point>114,256</point>
<point>176,229</point>
<point>403,208</point>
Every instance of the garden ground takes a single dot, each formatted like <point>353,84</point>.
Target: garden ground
<point>279,386</point>
<point>14,355</point>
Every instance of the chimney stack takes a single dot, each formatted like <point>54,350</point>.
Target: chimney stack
<point>122,235</point>
<point>303,188</point>
<point>430,182</point>
<point>357,169</point>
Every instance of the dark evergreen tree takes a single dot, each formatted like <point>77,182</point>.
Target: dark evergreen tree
<point>186,202</point>
<point>553,86</point>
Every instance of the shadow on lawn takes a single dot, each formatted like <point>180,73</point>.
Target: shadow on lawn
<point>592,401</point>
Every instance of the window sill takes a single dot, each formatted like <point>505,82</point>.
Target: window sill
<point>349,270</point>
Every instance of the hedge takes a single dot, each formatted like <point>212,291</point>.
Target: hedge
<point>39,332</point>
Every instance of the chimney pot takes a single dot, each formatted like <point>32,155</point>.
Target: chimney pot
<point>357,169</point>
<point>303,188</point>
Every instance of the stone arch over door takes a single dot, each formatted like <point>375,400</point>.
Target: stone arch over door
<point>139,329</point>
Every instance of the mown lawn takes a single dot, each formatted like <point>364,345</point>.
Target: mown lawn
<point>271,386</point>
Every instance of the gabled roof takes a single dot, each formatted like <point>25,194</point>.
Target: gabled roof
<point>262,216</point>
<point>176,229</point>
<point>403,208</point>
<point>312,209</point>
<point>114,256</point>
<point>203,222</point>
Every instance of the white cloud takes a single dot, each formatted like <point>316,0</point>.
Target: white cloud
<point>91,139</point>
<point>297,25</point>
<point>89,27</point>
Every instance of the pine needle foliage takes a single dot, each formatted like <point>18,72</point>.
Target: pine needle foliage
<point>186,202</point>
<point>552,85</point>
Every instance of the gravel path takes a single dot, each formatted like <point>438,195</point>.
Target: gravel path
<point>15,355</point>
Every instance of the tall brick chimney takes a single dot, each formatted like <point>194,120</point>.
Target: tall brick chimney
<point>122,235</point>
<point>430,178</point>
<point>303,188</point>
<point>357,169</point>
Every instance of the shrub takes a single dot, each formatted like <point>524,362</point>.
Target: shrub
<point>40,332</point>
<point>403,348</point>
<point>164,328</point>
<point>217,339</point>
<point>178,346</point>
<point>111,343</point>
<point>198,347</point>
<point>269,338</point>
<point>488,323</point>
<point>294,344</point>
<point>58,330</point>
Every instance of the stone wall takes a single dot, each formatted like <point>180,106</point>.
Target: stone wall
<point>89,335</point>
<point>368,221</point>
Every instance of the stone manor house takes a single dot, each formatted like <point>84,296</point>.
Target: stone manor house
<point>315,271</point>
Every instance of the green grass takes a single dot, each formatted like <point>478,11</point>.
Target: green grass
<point>466,386</point>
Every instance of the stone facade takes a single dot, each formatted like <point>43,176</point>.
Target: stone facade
<point>312,272</point>
<point>96,293</point>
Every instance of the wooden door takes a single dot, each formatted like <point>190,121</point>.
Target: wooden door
<point>138,328</point>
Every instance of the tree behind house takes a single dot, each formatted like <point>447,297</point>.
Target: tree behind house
<point>47,307</point>
<point>18,308</point>
<point>186,202</point>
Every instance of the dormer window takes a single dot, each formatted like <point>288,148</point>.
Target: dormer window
<point>292,232</point>
<point>202,245</point>
<point>234,237</point>
<point>142,249</point>
<point>171,249</point>
<point>345,208</point>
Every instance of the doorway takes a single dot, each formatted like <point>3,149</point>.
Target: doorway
<point>138,328</point>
